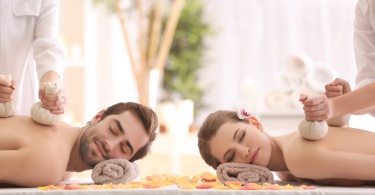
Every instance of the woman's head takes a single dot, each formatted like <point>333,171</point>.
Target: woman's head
<point>223,137</point>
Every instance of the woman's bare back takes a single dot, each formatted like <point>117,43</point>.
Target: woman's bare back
<point>344,154</point>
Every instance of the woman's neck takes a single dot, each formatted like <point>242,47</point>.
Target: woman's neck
<point>277,162</point>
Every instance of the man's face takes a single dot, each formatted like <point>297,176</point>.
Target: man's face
<point>116,136</point>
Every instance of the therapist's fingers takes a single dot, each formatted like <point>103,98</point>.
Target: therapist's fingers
<point>60,109</point>
<point>55,103</point>
<point>319,113</point>
<point>13,84</point>
<point>333,91</point>
<point>314,101</point>
<point>318,116</point>
<point>5,94</point>
<point>315,104</point>
<point>4,82</point>
<point>345,84</point>
<point>302,97</point>
<point>316,108</point>
<point>54,99</point>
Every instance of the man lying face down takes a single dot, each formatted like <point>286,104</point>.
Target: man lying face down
<point>32,154</point>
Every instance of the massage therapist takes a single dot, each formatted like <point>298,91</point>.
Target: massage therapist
<point>30,51</point>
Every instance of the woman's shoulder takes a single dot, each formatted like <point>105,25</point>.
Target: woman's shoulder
<point>291,141</point>
<point>294,147</point>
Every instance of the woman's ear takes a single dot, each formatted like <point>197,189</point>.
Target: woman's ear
<point>254,121</point>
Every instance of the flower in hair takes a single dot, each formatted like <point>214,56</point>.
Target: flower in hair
<point>242,113</point>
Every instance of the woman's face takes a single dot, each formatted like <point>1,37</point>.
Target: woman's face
<point>241,142</point>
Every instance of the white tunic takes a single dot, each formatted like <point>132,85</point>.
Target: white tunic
<point>29,46</point>
<point>364,42</point>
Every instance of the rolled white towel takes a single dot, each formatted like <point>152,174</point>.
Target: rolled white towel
<point>114,171</point>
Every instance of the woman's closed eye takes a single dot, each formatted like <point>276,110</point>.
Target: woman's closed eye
<point>242,136</point>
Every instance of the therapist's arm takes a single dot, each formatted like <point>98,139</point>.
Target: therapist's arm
<point>359,101</point>
<point>49,55</point>
<point>323,107</point>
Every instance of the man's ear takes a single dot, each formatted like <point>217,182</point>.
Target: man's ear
<point>254,121</point>
<point>98,116</point>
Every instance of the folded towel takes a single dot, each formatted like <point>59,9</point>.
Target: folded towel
<point>247,173</point>
<point>114,171</point>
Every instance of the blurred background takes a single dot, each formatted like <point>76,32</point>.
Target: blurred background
<point>186,59</point>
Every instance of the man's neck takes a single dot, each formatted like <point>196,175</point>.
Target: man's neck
<point>76,164</point>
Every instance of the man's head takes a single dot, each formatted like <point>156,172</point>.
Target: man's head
<point>223,137</point>
<point>124,130</point>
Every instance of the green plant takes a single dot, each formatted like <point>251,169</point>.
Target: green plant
<point>186,56</point>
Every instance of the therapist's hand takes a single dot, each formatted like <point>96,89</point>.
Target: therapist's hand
<point>319,108</point>
<point>316,108</point>
<point>55,103</point>
<point>333,89</point>
<point>6,90</point>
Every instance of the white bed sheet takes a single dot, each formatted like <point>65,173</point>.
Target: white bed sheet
<point>173,190</point>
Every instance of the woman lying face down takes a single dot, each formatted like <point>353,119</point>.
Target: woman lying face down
<point>344,157</point>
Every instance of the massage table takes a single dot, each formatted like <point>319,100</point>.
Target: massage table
<point>173,190</point>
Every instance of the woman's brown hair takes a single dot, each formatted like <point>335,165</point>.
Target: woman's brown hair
<point>209,128</point>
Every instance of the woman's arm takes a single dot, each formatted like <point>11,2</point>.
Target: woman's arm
<point>285,176</point>
<point>320,163</point>
<point>340,182</point>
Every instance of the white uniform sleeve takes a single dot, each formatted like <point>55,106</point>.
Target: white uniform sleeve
<point>364,43</point>
<point>49,53</point>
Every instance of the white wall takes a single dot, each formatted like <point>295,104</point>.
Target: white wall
<point>109,76</point>
<point>253,38</point>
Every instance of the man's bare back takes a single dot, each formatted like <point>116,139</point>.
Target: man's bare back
<point>31,146</point>
<point>32,154</point>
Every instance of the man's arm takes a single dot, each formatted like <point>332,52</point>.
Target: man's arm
<point>68,175</point>
<point>29,168</point>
